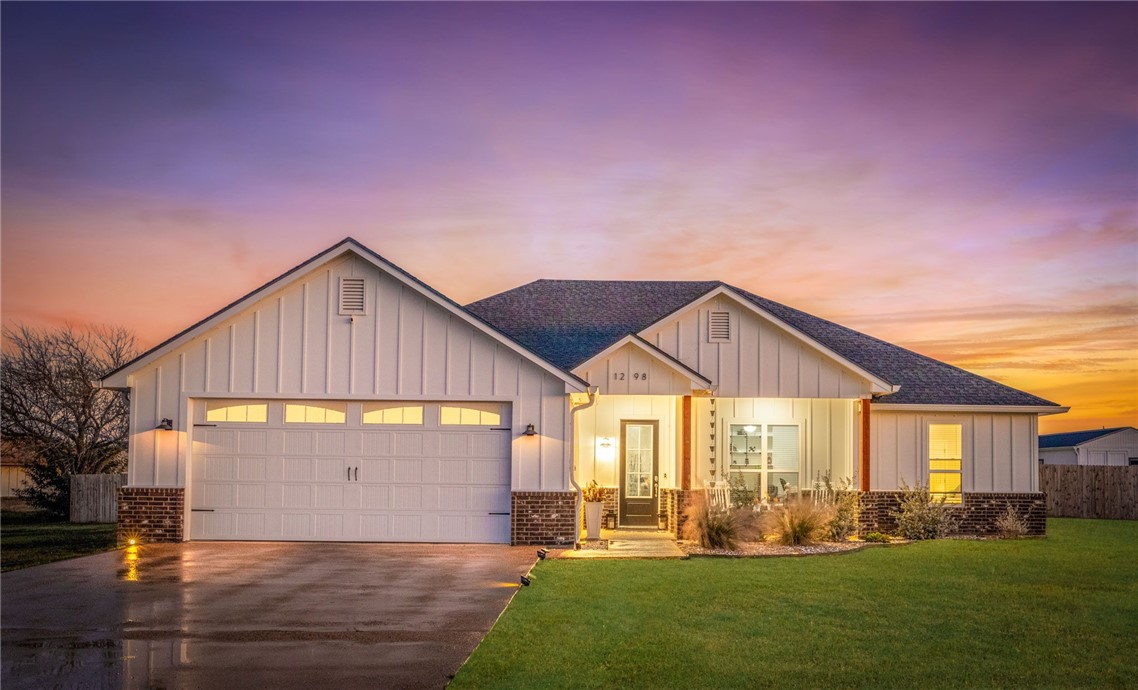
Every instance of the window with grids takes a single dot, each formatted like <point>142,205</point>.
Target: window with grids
<point>945,460</point>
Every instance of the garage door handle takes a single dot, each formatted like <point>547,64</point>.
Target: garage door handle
<point>357,473</point>
<point>201,510</point>
<point>497,513</point>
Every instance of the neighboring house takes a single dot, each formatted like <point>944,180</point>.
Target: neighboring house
<point>1118,446</point>
<point>12,476</point>
<point>348,401</point>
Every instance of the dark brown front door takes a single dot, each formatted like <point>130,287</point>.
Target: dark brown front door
<point>639,459</point>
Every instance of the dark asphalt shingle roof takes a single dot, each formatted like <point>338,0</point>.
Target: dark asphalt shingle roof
<point>1074,438</point>
<point>568,321</point>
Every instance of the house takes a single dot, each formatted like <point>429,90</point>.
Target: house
<point>1118,446</point>
<point>348,401</point>
<point>12,476</point>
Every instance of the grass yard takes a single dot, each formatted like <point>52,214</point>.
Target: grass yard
<point>1060,612</point>
<point>28,539</point>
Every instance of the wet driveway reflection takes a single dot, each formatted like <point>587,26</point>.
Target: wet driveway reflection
<point>253,615</point>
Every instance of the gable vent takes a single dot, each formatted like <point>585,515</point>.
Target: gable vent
<point>719,327</point>
<point>352,297</point>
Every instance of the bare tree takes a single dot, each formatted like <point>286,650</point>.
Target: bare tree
<point>52,410</point>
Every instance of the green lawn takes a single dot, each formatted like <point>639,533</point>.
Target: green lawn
<point>28,539</point>
<point>1059,612</point>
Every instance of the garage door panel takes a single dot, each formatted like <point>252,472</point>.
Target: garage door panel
<point>296,525</point>
<point>251,496</point>
<point>300,482</point>
<point>297,443</point>
<point>297,496</point>
<point>376,443</point>
<point>374,470</point>
<point>408,444</point>
<point>251,469</point>
<point>252,442</point>
<point>331,469</point>
<point>377,497</point>
<point>408,471</point>
<point>490,471</point>
<point>454,471</point>
<point>407,497</point>
<point>330,443</point>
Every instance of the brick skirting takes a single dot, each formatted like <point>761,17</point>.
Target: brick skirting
<point>977,514</point>
<point>150,515</point>
<point>543,517</point>
<point>675,502</point>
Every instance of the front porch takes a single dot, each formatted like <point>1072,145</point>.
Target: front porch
<point>651,452</point>
<point>629,543</point>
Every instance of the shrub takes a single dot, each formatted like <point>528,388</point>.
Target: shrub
<point>798,522</point>
<point>741,495</point>
<point>921,516</point>
<point>844,523</point>
<point>877,538</point>
<point>593,493</point>
<point>1011,524</point>
<point>710,528</point>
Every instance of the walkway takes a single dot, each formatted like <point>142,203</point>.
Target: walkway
<point>630,543</point>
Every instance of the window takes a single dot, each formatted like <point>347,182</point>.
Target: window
<point>316,413</point>
<point>392,413</point>
<point>470,415</point>
<point>353,298</point>
<point>227,411</point>
<point>945,460</point>
<point>719,327</point>
<point>767,458</point>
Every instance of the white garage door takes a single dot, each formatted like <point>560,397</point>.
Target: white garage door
<point>335,471</point>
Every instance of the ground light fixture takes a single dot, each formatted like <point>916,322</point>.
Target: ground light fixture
<point>541,553</point>
<point>524,580</point>
<point>530,431</point>
<point>166,424</point>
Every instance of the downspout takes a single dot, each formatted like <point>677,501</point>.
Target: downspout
<point>592,391</point>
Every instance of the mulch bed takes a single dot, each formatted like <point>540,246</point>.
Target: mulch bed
<point>768,548</point>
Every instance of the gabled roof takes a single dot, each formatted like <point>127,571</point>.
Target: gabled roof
<point>1076,438</point>
<point>117,377</point>
<point>568,321</point>
<point>697,379</point>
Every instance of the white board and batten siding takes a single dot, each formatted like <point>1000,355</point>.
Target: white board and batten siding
<point>760,360</point>
<point>630,370</point>
<point>827,433</point>
<point>294,344</point>
<point>999,451</point>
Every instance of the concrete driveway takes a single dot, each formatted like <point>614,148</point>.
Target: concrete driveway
<point>254,615</point>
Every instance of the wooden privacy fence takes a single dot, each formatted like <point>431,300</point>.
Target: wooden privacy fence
<point>1090,491</point>
<point>94,497</point>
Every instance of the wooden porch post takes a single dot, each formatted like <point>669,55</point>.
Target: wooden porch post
<point>685,474</point>
<point>864,472</point>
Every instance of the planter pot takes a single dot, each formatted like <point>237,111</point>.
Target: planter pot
<point>593,519</point>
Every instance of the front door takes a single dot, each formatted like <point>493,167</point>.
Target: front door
<point>639,499</point>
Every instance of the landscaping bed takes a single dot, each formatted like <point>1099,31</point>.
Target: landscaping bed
<point>770,548</point>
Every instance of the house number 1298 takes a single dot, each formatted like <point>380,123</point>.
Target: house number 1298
<point>636,376</point>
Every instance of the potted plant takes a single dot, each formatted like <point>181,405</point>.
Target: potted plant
<point>594,497</point>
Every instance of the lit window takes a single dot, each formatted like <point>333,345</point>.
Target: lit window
<point>316,413</point>
<point>226,411</point>
<point>387,413</point>
<point>470,416</point>
<point>945,460</point>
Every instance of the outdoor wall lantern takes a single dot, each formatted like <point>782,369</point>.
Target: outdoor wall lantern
<point>662,520</point>
<point>610,520</point>
<point>530,431</point>
<point>166,424</point>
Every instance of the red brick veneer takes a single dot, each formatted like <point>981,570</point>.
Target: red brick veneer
<point>977,514</point>
<point>150,514</point>
<point>543,517</point>
<point>675,502</point>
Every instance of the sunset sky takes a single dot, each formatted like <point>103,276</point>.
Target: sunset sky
<point>957,178</point>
